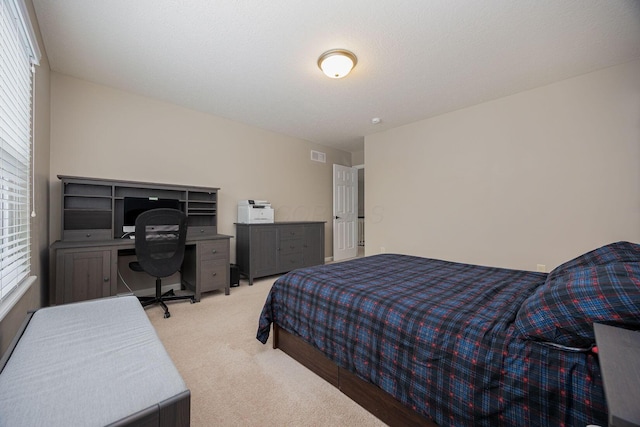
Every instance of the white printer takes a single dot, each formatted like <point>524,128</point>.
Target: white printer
<point>255,212</point>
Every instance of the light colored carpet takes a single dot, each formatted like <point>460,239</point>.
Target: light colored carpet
<point>237,381</point>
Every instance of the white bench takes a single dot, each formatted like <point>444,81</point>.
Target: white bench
<point>92,363</point>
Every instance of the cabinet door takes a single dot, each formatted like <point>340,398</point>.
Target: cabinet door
<point>314,245</point>
<point>264,251</point>
<point>86,275</point>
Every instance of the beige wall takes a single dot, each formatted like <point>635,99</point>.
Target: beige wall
<point>534,178</point>
<point>36,296</point>
<point>357,158</point>
<point>101,132</point>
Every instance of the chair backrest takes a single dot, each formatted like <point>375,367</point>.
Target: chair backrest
<point>160,241</point>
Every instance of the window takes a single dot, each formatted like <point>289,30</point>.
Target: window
<point>18,56</point>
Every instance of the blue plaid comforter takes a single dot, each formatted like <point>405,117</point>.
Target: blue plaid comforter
<point>439,337</point>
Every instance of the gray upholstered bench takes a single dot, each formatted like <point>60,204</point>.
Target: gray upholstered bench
<point>92,363</point>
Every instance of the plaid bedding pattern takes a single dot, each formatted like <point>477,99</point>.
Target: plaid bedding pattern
<point>564,310</point>
<point>618,252</point>
<point>439,337</point>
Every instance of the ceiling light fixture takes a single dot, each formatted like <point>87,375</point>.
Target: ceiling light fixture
<point>337,63</point>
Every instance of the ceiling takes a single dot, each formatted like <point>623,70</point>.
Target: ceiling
<point>255,61</point>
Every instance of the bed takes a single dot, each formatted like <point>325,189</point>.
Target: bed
<point>424,341</point>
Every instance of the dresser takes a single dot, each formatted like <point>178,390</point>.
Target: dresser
<point>269,249</point>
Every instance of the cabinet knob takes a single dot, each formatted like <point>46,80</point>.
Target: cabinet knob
<point>202,230</point>
<point>213,251</point>
<point>88,235</point>
<point>106,279</point>
<point>214,274</point>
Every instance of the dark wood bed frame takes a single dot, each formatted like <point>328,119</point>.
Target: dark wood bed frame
<point>380,403</point>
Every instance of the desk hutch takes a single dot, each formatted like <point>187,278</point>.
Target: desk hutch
<point>86,258</point>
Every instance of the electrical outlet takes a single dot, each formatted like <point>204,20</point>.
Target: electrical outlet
<point>542,268</point>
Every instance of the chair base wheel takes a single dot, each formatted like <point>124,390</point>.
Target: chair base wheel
<point>161,298</point>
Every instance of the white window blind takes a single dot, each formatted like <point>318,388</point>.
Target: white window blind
<point>18,55</point>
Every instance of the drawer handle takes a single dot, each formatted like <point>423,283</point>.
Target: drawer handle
<point>213,251</point>
<point>106,279</point>
<point>202,230</point>
<point>88,235</point>
<point>214,274</point>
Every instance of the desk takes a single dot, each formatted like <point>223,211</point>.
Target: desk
<point>86,270</point>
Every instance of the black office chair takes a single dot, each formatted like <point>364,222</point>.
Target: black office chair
<point>160,241</point>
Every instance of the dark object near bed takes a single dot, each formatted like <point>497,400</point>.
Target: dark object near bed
<point>234,276</point>
<point>463,344</point>
<point>619,352</point>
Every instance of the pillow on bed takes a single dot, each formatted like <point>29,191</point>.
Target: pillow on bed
<point>564,309</point>
<point>613,252</point>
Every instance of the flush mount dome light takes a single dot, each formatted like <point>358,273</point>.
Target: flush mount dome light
<point>337,63</point>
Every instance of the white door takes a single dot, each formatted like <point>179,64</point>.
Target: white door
<point>345,212</point>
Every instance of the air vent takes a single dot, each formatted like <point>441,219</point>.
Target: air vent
<point>317,156</point>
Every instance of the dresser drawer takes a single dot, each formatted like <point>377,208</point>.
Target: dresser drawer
<point>78,235</point>
<point>292,246</point>
<point>290,262</point>
<point>289,232</point>
<point>214,275</point>
<point>196,231</point>
<point>218,249</point>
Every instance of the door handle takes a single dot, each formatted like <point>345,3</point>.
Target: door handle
<point>336,217</point>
